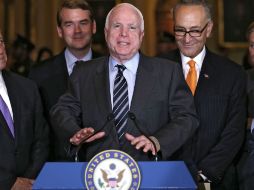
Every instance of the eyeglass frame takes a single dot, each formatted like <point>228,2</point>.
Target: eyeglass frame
<point>189,32</point>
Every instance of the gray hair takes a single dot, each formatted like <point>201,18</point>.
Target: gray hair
<point>133,7</point>
<point>203,3</point>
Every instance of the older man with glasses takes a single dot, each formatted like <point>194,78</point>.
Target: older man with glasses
<point>218,86</point>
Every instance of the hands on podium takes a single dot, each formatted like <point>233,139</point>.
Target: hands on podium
<point>82,136</point>
<point>141,142</point>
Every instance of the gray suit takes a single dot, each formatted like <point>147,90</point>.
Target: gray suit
<point>161,101</point>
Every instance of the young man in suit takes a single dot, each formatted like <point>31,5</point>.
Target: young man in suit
<point>23,129</point>
<point>76,26</point>
<point>218,86</point>
<point>152,89</point>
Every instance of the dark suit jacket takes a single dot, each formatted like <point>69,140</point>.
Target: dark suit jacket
<point>52,78</point>
<point>24,155</point>
<point>162,103</point>
<point>246,164</point>
<point>220,104</point>
<point>250,89</point>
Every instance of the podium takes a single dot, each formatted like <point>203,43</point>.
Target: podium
<point>172,175</point>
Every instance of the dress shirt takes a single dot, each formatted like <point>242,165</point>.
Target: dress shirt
<point>198,59</point>
<point>129,74</point>
<point>252,126</point>
<point>71,59</point>
<point>4,94</point>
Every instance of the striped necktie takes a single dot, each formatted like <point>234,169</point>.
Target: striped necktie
<point>120,101</point>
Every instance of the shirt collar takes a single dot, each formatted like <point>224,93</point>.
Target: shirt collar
<point>71,59</point>
<point>2,83</point>
<point>131,65</point>
<point>198,59</point>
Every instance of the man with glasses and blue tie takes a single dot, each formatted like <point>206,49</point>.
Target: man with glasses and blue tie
<point>218,87</point>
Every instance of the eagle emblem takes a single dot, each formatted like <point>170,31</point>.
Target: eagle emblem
<point>111,177</point>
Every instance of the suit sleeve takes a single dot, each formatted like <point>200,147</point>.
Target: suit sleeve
<point>66,114</point>
<point>39,147</point>
<point>183,118</point>
<point>223,153</point>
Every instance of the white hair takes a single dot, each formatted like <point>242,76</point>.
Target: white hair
<point>133,7</point>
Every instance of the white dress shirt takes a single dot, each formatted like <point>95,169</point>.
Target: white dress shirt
<point>198,59</point>
<point>4,94</point>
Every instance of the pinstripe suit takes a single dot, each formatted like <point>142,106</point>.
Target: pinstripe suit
<point>220,103</point>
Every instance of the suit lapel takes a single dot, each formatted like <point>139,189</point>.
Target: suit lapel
<point>206,74</point>
<point>101,82</point>
<point>145,80</point>
<point>14,103</point>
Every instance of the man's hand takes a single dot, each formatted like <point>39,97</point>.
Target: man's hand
<point>83,135</point>
<point>141,142</point>
<point>22,184</point>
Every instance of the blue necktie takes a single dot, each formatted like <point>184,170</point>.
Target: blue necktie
<point>7,115</point>
<point>120,101</point>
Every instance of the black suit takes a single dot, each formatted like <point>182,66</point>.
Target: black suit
<point>24,155</point>
<point>246,163</point>
<point>220,103</point>
<point>161,102</point>
<point>52,78</point>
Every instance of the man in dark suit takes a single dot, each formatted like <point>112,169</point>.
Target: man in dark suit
<point>219,95</point>
<point>23,129</point>
<point>76,25</point>
<point>152,89</point>
<point>246,163</point>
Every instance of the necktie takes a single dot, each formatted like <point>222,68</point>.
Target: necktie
<point>7,116</point>
<point>120,101</point>
<point>191,78</point>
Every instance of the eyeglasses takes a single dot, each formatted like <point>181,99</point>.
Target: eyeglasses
<point>192,33</point>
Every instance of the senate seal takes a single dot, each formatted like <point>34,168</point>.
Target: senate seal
<point>112,170</point>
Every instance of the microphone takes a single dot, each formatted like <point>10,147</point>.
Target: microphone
<point>133,118</point>
<point>110,117</point>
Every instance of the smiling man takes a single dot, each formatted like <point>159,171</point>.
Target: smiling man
<point>126,81</point>
<point>76,26</point>
<point>219,89</point>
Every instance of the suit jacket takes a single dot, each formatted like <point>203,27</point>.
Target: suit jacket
<point>161,101</point>
<point>220,104</point>
<point>250,89</point>
<point>245,166</point>
<point>52,77</point>
<point>24,155</point>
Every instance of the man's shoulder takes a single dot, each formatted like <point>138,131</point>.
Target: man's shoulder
<point>223,63</point>
<point>171,55</point>
<point>17,80</point>
<point>49,63</point>
<point>48,68</point>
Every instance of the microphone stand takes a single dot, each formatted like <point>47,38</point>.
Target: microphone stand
<point>110,117</point>
<point>133,118</point>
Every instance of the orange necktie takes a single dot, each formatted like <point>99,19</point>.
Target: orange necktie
<point>191,78</point>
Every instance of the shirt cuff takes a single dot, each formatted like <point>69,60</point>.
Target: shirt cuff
<point>156,142</point>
